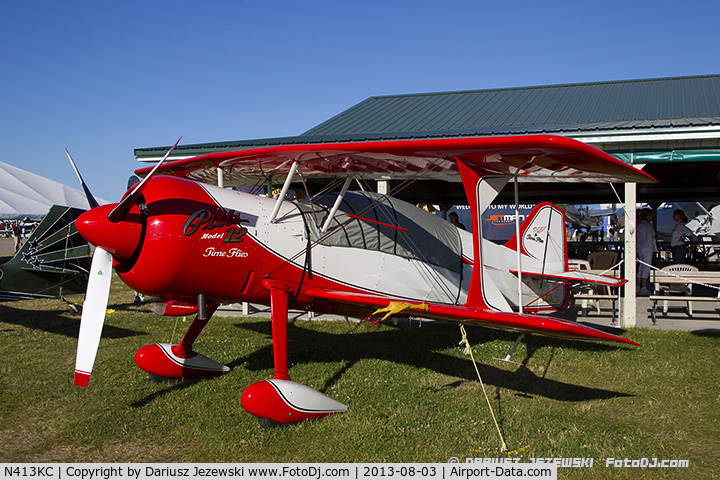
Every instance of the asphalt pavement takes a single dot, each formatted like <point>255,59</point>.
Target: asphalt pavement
<point>7,246</point>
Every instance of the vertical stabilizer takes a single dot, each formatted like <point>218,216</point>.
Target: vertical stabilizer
<point>542,239</point>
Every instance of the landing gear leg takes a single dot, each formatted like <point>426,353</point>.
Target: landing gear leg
<point>166,362</point>
<point>279,317</point>
<point>280,401</point>
<point>205,311</point>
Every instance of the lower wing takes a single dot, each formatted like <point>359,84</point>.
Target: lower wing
<point>515,322</point>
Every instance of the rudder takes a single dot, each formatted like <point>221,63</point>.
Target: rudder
<point>542,237</point>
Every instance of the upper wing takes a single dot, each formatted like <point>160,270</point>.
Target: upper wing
<point>553,327</point>
<point>532,158</point>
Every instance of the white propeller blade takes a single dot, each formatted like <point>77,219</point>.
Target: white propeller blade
<point>93,315</point>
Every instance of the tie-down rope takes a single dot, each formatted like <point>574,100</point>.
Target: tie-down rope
<point>468,350</point>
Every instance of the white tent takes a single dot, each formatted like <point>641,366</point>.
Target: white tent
<point>24,194</point>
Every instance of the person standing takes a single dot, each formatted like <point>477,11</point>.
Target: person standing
<point>680,234</point>
<point>453,218</point>
<point>17,233</point>
<point>646,249</point>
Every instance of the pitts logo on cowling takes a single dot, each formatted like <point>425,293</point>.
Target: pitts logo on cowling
<point>203,219</point>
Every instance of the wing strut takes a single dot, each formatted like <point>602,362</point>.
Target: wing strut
<point>336,205</point>
<point>283,192</point>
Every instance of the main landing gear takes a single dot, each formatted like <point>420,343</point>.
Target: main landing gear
<point>166,362</point>
<point>281,401</point>
<point>275,402</point>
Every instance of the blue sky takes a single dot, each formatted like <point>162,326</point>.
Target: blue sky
<point>103,78</point>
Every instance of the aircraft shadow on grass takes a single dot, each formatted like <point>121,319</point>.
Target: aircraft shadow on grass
<point>53,321</point>
<point>414,347</point>
<point>707,332</point>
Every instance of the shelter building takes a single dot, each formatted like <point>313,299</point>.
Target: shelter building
<point>670,127</point>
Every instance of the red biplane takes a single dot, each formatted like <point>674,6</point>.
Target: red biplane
<point>194,245</point>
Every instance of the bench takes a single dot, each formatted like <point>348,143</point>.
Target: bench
<point>675,298</point>
<point>584,297</point>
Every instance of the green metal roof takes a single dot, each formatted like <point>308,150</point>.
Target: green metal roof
<point>621,106</point>
<point>193,150</point>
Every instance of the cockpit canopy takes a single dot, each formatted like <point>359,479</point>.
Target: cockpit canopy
<point>425,237</point>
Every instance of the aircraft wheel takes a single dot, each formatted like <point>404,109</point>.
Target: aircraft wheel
<point>158,379</point>
<point>269,424</point>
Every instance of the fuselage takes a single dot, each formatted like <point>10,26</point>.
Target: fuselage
<point>196,238</point>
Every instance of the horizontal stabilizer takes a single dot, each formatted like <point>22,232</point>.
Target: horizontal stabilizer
<point>579,276</point>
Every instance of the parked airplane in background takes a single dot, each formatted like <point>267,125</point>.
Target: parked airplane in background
<point>701,219</point>
<point>53,261</point>
<point>707,224</point>
<point>193,245</point>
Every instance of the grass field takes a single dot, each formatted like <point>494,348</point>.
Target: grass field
<point>413,394</point>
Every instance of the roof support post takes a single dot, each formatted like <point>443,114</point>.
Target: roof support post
<point>629,311</point>
<point>283,192</point>
<point>336,205</point>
